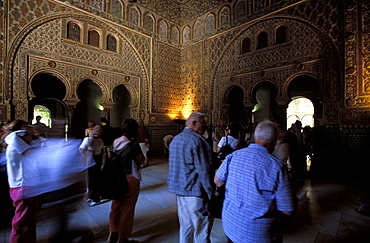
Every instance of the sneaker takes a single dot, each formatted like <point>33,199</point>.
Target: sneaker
<point>92,204</point>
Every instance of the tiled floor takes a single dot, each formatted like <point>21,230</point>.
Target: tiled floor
<point>326,213</point>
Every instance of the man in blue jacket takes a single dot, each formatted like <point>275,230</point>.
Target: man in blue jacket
<point>189,178</point>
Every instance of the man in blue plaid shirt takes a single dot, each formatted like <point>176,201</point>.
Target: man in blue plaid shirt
<point>258,189</point>
<point>189,178</point>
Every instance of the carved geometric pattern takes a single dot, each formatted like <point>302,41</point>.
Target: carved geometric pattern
<point>181,11</point>
<point>305,44</point>
<point>194,90</point>
<point>167,85</point>
<point>47,39</point>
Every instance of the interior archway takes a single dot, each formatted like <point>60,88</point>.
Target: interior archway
<point>88,108</point>
<point>49,92</point>
<point>305,105</point>
<point>264,95</point>
<point>237,111</point>
<point>121,109</point>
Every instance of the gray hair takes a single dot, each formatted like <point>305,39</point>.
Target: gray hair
<point>193,117</point>
<point>266,131</point>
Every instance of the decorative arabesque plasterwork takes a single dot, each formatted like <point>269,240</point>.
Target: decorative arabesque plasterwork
<point>180,11</point>
<point>275,63</point>
<point>46,41</point>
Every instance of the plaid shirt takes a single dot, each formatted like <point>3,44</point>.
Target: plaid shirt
<point>189,165</point>
<point>257,186</point>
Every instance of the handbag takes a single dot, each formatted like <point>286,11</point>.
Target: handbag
<point>225,150</point>
<point>216,203</point>
<point>114,182</point>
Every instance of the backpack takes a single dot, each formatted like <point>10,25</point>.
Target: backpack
<point>114,182</point>
<point>225,150</point>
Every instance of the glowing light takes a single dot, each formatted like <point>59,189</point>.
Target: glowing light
<point>100,107</point>
<point>184,108</point>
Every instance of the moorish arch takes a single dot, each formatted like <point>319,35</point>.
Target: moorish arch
<point>276,62</point>
<point>54,73</point>
<point>233,107</point>
<point>49,91</point>
<point>307,86</point>
<point>263,95</point>
<point>19,51</point>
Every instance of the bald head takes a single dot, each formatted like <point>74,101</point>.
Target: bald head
<point>197,122</point>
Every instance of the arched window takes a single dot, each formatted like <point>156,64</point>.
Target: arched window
<point>149,23</point>
<point>197,29</point>
<point>175,34</point>
<point>73,31</point>
<point>111,43</point>
<point>94,38</point>
<point>117,8</point>
<point>134,16</point>
<point>246,45</point>
<point>281,35</point>
<point>224,17</point>
<point>210,24</point>
<point>163,28</point>
<point>240,10</point>
<point>262,40</point>
<point>186,34</point>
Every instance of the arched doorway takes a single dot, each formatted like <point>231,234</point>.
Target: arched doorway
<point>121,109</point>
<point>88,108</point>
<point>305,105</point>
<point>264,95</point>
<point>237,111</point>
<point>301,109</point>
<point>49,92</point>
<point>44,112</point>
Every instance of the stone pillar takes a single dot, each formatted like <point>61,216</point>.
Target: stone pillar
<point>280,114</point>
<point>107,110</point>
<point>71,105</point>
<point>225,112</point>
<point>249,106</point>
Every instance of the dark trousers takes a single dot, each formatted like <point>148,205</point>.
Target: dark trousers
<point>94,179</point>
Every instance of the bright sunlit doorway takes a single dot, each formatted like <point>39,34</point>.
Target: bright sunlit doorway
<point>45,114</point>
<point>301,109</point>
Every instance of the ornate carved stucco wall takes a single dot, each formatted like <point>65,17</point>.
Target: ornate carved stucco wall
<point>43,40</point>
<point>189,58</point>
<point>357,61</point>
<point>307,48</point>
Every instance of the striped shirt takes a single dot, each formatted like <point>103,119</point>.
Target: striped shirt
<point>257,186</point>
